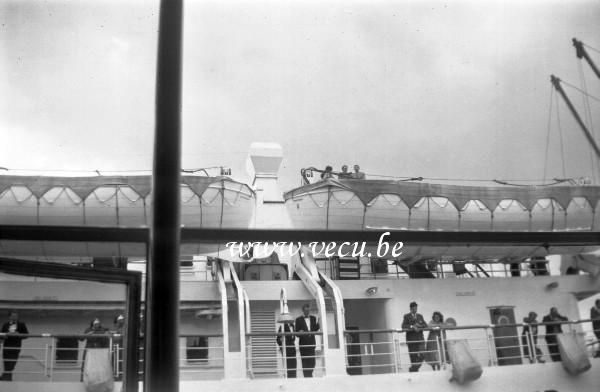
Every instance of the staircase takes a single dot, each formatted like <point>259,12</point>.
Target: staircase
<point>263,362</point>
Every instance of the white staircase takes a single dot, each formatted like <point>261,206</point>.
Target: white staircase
<point>263,355</point>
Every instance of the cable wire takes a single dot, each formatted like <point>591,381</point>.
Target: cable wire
<point>580,90</point>
<point>562,148</point>
<point>548,133</point>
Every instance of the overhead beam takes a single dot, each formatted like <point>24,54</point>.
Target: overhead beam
<point>192,235</point>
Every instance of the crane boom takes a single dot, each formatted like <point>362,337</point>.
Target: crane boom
<point>556,83</point>
<point>582,53</point>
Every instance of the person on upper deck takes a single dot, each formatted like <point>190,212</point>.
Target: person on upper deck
<point>358,175</point>
<point>413,322</point>
<point>553,327</point>
<point>344,174</point>
<point>328,173</point>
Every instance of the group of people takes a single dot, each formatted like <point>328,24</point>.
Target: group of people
<point>344,174</point>
<point>419,349</point>
<point>553,322</point>
<point>14,330</point>
<point>306,343</point>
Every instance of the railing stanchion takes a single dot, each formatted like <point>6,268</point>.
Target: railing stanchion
<point>52,356</point>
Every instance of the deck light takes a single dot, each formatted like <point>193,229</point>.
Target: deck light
<point>285,317</point>
<point>372,290</point>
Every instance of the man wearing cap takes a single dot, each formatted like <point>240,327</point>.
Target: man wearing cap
<point>413,323</point>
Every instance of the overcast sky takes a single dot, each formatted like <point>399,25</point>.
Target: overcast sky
<point>433,89</point>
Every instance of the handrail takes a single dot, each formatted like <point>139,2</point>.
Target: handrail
<point>241,308</point>
<point>224,308</point>
<point>339,308</point>
<point>383,330</point>
<point>250,334</point>
<point>473,326</point>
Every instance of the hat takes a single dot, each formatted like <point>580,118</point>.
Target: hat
<point>413,303</point>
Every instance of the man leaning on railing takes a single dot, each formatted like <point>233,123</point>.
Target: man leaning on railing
<point>12,344</point>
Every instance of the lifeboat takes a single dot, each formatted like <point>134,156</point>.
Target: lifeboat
<point>348,204</point>
<point>115,202</point>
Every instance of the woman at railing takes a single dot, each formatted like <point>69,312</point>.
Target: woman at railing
<point>432,348</point>
<point>96,370</point>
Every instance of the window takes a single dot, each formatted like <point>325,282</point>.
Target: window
<point>197,349</point>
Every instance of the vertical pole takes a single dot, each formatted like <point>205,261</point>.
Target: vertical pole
<point>162,294</point>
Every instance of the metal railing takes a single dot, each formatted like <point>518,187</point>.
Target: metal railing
<point>48,360</point>
<point>390,269</point>
<point>376,351</point>
<point>387,351</point>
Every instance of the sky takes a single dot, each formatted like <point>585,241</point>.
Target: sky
<point>444,90</point>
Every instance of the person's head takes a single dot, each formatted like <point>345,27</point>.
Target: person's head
<point>95,323</point>
<point>553,311</point>
<point>356,168</point>
<point>598,303</point>
<point>120,320</point>
<point>306,310</point>
<point>532,316</point>
<point>437,317</point>
<point>413,307</point>
<point>345,169</point>
<point>13,316</point>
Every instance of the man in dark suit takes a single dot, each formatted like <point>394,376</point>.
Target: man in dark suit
<point>553,327</point>
<point>12,344</point>
<point>307,323</point>
<point>413,322</point>
<point>290,349</point>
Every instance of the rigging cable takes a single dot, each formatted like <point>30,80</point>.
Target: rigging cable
<point>588,115</point>
<point>590,47</point>
<point>580,90</point>
<point>548,133</point>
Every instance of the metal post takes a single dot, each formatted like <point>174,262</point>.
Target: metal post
<point>162,294</point>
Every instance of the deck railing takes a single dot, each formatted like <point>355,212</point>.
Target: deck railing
<point>375,351</point>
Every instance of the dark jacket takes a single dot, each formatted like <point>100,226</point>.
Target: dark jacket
<point>529,325</point>
<point>555,326</point>
<point>306,340</point>
<point>99,341</point>
<point>14,341</point>
<point>595,316</point>
<point>289,340</point>
<point>411,321</point>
